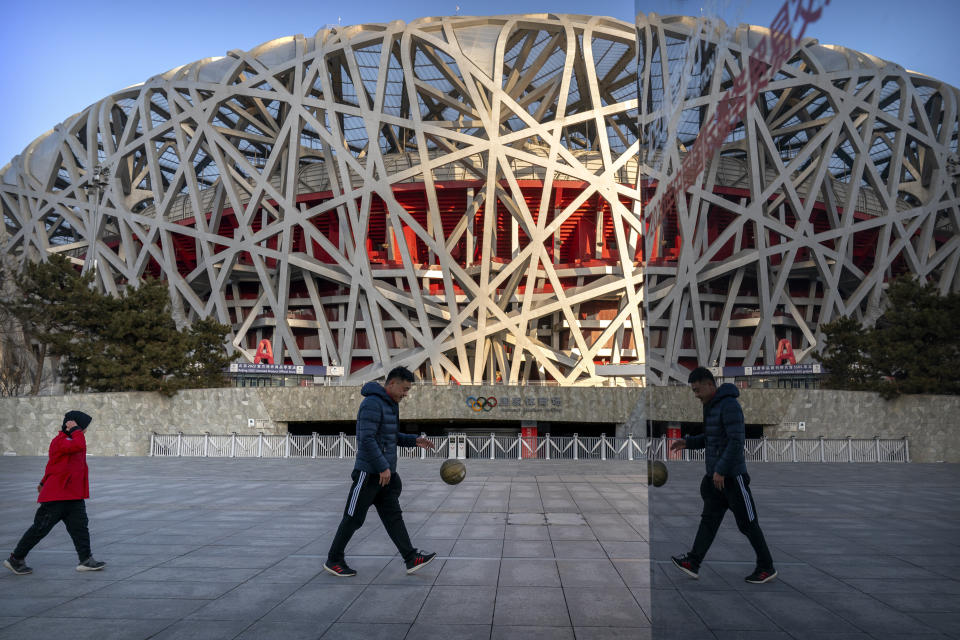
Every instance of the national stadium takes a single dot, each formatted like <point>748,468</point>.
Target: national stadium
<point>465,196</point>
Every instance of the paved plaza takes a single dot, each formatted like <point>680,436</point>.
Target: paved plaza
<point>233,548</point>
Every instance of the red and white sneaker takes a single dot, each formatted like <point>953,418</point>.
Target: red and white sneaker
<point>688,565</point>
<point>759,576</point>
<point>339,569</point>
<point>419,561</point>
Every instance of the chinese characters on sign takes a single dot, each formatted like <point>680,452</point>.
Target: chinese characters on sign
<point>515,404</point>
<point>765,60</point>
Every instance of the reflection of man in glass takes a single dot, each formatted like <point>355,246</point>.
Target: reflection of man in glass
<point>726,484</point>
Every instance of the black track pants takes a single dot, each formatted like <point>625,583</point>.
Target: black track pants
<point>366,491</point>
<point>737,497</point>
<point>74,516</point>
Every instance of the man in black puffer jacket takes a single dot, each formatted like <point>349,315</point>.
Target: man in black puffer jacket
<point>726,484</point>
<point>375,478</point>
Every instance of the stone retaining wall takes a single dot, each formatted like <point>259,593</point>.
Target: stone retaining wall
<point>123,421</point>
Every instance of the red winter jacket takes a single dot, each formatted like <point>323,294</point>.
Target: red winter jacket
<point>66,477</point>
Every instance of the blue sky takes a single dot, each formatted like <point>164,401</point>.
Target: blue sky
<point>63,56</point>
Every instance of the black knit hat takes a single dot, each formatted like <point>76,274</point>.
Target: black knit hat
<point>82,419</point>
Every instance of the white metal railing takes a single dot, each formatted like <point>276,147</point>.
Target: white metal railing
<point>519,447</point>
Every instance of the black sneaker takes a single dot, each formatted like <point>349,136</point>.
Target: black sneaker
<point>688,565</point>
<point>759,576</point>
<point>91,565</point>
<point>339,569</point>
<point>17,565</point>
<point>419,561</point>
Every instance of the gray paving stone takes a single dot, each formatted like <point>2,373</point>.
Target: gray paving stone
<point>947,623</point>
<point>634,573</point>
<point>454,605</point>
<point>315,603</point>
<point>268,630</point>
<point>742,634</point>
<point>799,614</point>
<point>613,633</point>
<point>472,548</point>
<point>421,631</point>
<point>23,606</point>
<point>598,572</point>
<point>478,531</point>
<point>6,621</point>
<point>190,574</point>
<point>386,604</point>
<point>90,629</point>
<point>249,601</point>
<point>531,633</point>
<point>202,630</point>
<point>939,585</point>
<point>365,631</point>
<point>527,549</point>
<point>528,572</point>
<point>873,616</point>
<point>631,550</point>
<point>571,532</point>
<point>910,602</point>
<point>133,588</point>
<point>604,607</point>
<point>469,572</point>
<point>669,611</point>
<point>531,606</point>
<point>12,586</point>
<point>728,610</point>
<point>579,549</point>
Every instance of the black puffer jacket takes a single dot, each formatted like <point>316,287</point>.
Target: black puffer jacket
<point>724,433</point>
<point>377,431</point>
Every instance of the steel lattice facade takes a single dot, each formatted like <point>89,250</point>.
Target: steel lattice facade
<point>464,196</point>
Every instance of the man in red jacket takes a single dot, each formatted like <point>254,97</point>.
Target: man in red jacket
<point>64,488</point>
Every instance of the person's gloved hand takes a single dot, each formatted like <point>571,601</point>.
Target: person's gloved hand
<point>69,426</point>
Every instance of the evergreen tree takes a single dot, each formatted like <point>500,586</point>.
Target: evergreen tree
<point>914,347</point>
<point>125,343</point>
<point>844,355</point>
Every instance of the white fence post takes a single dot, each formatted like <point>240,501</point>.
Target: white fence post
<point>547,445</point>
<point>629,446</point>
<point>342,443</point>
<point>876,440</point>
<point>150,455</point>
<point>603,446</point>
<point>287,446</point>
<point>260,444</point>
<point>179,440</point>
<point>233,443</point>
<point>849,449</point>
<point>206,443</point>
<point>313,447</point>
<point>763,448</point>
<point>576,445</point>
<point>822,447</point>
<point>492,446</point>
<point>906,449</point>
<point>793,447</point>
<point>520,445</point>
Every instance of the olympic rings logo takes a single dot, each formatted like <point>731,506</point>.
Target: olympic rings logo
<point>481,403</point>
